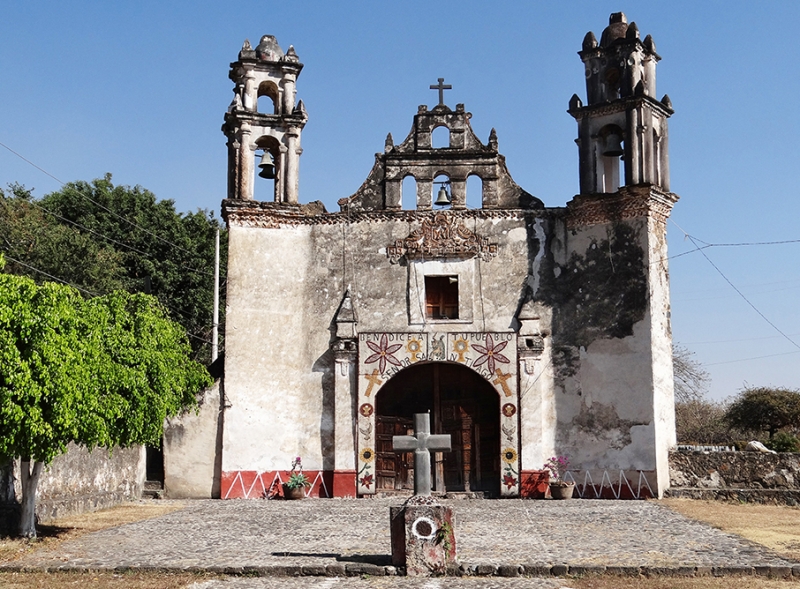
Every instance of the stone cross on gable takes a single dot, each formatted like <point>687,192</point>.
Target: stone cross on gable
<point>441,87</point>
<point>422,443</point>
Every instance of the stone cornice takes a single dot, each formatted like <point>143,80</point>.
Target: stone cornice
<point>628,203</point>
<point>248,213</point>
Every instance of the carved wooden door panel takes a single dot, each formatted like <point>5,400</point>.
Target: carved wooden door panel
<point>392,470</point>
<point>458,464</point>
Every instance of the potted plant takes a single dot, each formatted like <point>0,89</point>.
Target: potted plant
<point>295,487</point>
<point>558,466</point>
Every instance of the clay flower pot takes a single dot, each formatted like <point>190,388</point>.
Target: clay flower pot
<point>562,490</point>
<point>293,492</point>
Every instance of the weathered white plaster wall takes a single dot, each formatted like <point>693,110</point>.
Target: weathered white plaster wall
<point>192,449</point>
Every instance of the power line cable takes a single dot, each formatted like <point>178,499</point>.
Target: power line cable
<point>56,278</point>
<point>63,185</point>
<point>753,358</point>
<point>764,317</point>
<point>94,294</point>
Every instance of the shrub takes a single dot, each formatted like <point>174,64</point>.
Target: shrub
<point>783,442</point>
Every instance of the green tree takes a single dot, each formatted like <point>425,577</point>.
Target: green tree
<point>765,409</point>
<point>150,246</point>
<point>32,238</point>
<point>101,372</point>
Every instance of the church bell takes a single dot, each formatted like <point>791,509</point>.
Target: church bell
<point>613,146</point>
<point>267,167</point>
<point>442,198</point>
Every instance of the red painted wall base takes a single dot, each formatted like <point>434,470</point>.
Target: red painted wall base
<point>534,484</point>
<point>250,484</point>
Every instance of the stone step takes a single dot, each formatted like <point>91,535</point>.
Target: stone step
<point>153,490</point>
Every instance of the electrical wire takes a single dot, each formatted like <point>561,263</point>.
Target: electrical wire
<point>740,293</point>
<point>56,278</point>
<point>63,185</point>
<point>94,294</point>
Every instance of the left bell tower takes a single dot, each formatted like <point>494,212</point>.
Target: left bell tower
<point>264,79</point>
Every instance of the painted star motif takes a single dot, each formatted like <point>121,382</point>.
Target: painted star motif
<point>384,353</point>
<point>490,354</point>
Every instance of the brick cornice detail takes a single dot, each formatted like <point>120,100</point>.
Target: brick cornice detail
<point>628,203</point>
<point>244,213</point>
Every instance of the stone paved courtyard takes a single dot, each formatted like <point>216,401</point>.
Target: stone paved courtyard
<point>338,537</point>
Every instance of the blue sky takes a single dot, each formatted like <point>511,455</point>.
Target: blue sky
<point>139,89</point>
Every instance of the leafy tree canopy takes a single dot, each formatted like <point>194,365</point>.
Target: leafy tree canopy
<point>100,237</point>
<point>765,409</point>
<point>104,371</point>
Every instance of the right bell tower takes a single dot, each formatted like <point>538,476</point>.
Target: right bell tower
<point>622,125</point>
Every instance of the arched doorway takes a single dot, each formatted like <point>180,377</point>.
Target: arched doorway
<point>462,404</point>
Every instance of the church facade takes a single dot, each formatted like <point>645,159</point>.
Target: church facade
<point>525,331</point>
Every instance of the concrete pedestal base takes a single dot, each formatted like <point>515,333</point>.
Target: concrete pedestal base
<point>423,538</point>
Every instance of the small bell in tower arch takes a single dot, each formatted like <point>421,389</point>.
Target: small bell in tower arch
<point>267,166</point>
<point>442,197</point>
<point>613,146</point>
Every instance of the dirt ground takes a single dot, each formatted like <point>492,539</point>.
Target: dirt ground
<point>774,526</point>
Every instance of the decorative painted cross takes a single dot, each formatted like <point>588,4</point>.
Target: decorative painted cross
<point>441,87</point>
<point>422,443</point>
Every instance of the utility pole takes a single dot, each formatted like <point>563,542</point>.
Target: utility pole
<point>214,334</point>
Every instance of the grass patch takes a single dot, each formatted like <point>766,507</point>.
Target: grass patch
<point>679,583</point>
<point>132,580</point>
<point>67,528</point>
<point>775,526</point>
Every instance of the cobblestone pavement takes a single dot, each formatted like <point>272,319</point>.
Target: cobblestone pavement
<point>385,583</point>
<point>338,537</point>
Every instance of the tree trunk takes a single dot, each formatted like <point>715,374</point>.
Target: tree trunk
<point>29,480</point>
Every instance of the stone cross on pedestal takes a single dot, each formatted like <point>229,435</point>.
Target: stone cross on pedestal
<point>422,443</point>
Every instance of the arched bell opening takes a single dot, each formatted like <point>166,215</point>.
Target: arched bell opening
<point>408,196</point>
<point>440,137</point>
<point>462,404</point>
<point>442,193</point>
<point>474,192</point>
<point>268,100</point>
<point>268,170</point>
<point>610,150</point>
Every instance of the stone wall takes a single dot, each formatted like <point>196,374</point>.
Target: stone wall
<point>738,476</point>
<point>78,481</point>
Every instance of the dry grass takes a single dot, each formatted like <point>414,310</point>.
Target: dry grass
<point>680,583</point>
<point>99,580</point>
<point>775,526</point>
<point>67,528</point>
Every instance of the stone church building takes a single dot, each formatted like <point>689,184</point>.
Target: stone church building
<point>526,331</point>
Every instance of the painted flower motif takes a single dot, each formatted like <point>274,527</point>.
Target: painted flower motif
<point>366,410</point>
<point>366,481</point>
<point>510,456</point>
<point>509,410</point>
<point>490,354</point>
<point>509,481</point>
<point>383,353</point>
<point>367,455</point>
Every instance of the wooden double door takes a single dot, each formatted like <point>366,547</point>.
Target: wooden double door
<point>461,404</point>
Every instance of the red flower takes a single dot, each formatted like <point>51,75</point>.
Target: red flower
<point>383,353</point>
<point>366,481</point>
<point>490,354</point>
<point>509,481</point>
